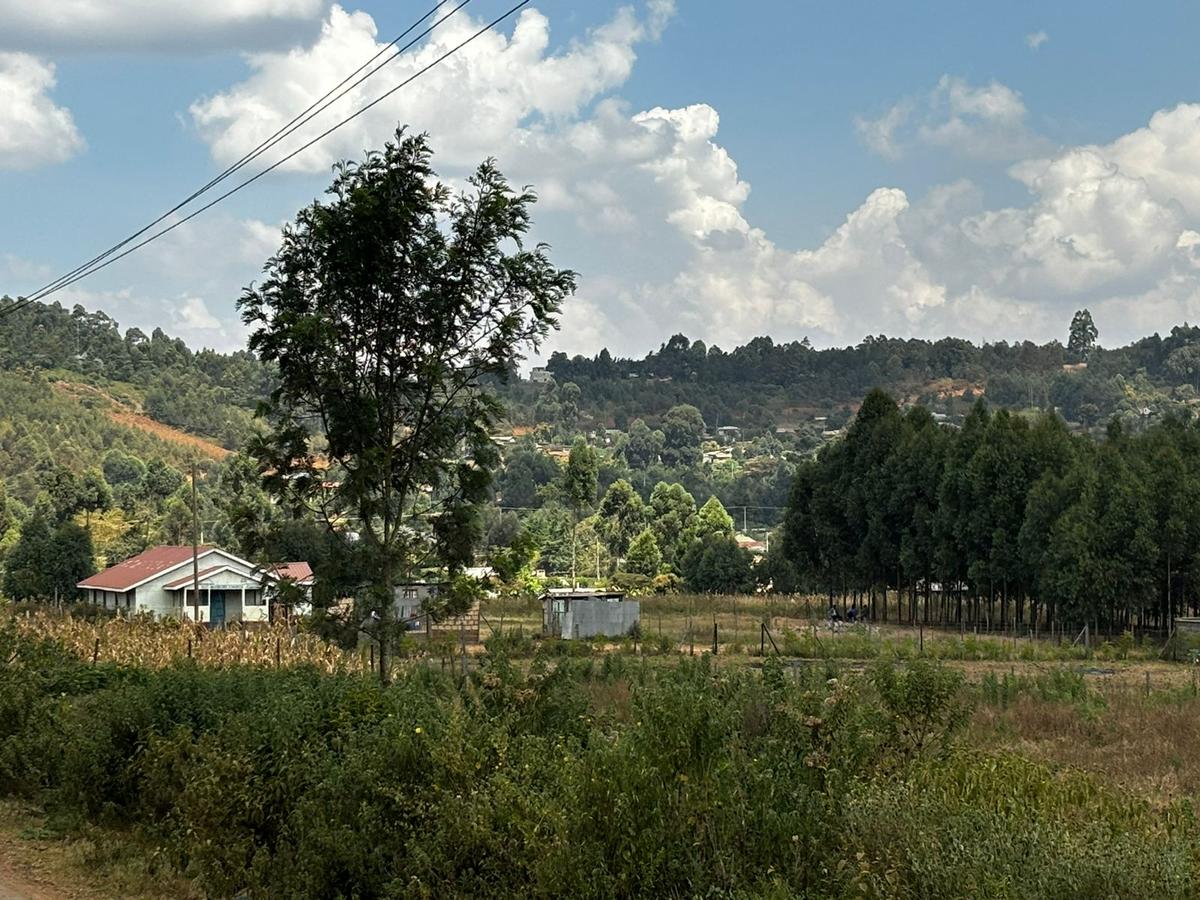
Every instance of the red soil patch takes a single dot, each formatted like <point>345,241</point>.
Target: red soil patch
<point>167,433</point>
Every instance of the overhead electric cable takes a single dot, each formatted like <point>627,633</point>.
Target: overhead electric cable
<point>324,102</point>
<point>279,135</point>
<point>103,261</point>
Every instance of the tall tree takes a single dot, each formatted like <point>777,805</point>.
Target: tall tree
<point>713,519</point>
<point>622,516</point>
<point>578,487</point>
<point>644,557</point>
<point>683,431</point>
<point>673,519</point>
<point>388,310</point>
<point>1082,338</point>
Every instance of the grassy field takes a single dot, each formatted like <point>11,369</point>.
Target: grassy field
<point>799,628</point>
<point>565,768</point>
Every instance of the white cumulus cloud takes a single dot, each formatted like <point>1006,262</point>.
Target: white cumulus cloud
<point>189,26</point>
<point>652,209</point>
<point>1035,39</point>
<point>987,122</point>
<point>34,131</point>
<point>479,102</point>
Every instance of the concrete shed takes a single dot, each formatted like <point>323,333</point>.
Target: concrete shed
<point>583,613</point>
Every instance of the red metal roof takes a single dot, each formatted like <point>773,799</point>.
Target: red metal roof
<point>137,569</point>
<point>187,579</point>
<point>296,571</point>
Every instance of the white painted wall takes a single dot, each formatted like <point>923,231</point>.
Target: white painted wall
<point>154,598</point>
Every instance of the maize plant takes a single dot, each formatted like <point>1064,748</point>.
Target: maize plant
<point>154,644</point>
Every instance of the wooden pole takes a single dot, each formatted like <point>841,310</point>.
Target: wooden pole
<point>195,550</point>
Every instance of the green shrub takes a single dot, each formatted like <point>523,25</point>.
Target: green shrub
<point>573,774</point>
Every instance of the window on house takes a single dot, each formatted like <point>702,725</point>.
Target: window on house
<point>255,598</point>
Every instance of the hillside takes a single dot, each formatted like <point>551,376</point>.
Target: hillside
<point>764,386</point>
<point>75,386</point>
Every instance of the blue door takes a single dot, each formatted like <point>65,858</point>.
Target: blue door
<point>216,608</point>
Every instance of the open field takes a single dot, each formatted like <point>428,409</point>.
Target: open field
<point>611,775</point>
<point>799,628</point>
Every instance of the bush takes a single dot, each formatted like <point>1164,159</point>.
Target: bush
<point>573,775</point>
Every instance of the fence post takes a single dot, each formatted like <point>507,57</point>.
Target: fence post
<point>762,638</point>
<point>96,651</point>
<point>921,637</point>
<point>714,638</point>
<point>278,650</point>
<point>189,648</point>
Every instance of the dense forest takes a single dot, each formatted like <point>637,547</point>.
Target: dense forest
<point>763,385</point>
<point>1007,520</point>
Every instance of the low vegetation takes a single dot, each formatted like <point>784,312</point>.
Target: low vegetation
<point>144,643</point>
<point>567,777</point>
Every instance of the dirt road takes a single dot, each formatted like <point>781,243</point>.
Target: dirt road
<point>33,869</point>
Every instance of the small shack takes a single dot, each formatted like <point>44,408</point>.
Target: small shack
<point>586,613</point>
<point>1187,624</point>
<point>411,600</point>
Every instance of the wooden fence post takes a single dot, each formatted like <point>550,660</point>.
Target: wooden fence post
<point>96,651</point>
<point>714,638</point>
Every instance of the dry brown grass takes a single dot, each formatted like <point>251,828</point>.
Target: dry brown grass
<point>1145,743</point>
<point>38,864</point>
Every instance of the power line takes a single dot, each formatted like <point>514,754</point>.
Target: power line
<point>307,115</point>
<point>92,270</point>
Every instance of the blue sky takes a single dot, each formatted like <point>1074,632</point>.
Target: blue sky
<point>829,170</point>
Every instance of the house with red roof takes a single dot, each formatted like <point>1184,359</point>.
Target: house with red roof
<point>162,581</point>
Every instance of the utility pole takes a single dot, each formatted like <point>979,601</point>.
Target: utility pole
<point>195,550</point>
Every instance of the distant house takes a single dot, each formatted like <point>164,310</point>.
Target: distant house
<point>755,546</point>
<point>160,582</point>
<point>413,600</point>
<point>586,613</point>
<point>715,456</point>
<point>302,574</point>
<point>727,434</point>
<point>541,375</point>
